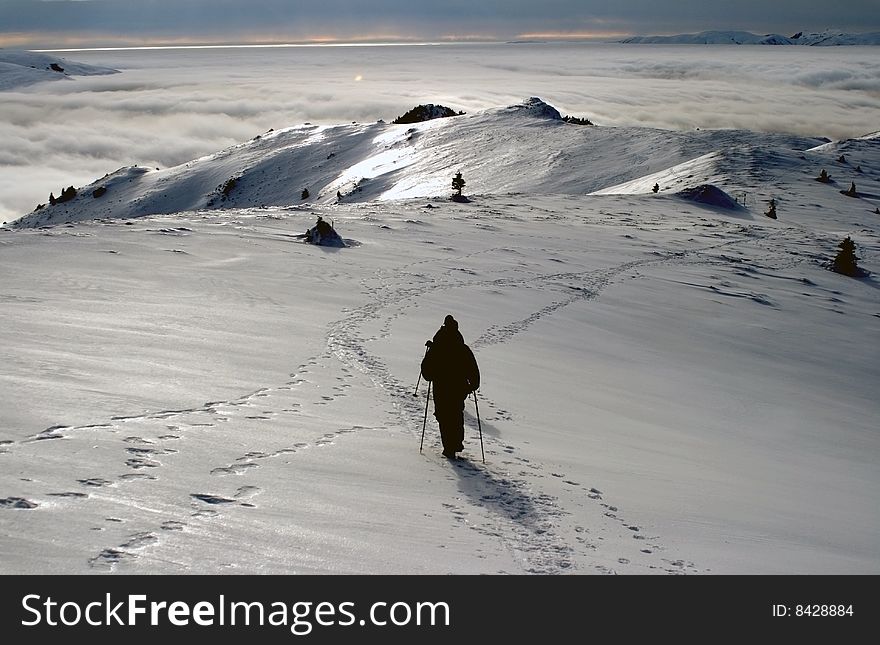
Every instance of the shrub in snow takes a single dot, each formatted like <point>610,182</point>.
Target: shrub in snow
<point>228,187</point>
<point>577,120</point>
<point>851,191</point>
<point>771,211</point>
<point>66,195</point>
<point>99,191</point>
<point>305,194</point>
<point>656,188</point>
<point>846,261</point>
<point>457,184</point>
<point>823,177</point>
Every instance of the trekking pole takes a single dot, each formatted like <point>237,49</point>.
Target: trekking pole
<point>425,422</point>
<point>480,426</point>
<point>419,380</point>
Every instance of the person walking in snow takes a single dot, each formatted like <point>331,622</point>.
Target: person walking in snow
<point>450,366</point>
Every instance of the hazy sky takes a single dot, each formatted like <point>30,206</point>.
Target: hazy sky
<point>59,23</point>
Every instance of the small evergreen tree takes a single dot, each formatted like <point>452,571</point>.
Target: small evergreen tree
<point>823,177</point>
<point>305,194</point>
<point>846,262</point>
<point>457,184</point>
<point>656,188</point>
<point>771,212</point>
<point>852,192</point>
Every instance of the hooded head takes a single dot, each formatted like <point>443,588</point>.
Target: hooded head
<point>449,333</point>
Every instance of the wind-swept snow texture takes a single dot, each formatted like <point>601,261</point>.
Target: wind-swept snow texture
<point>669,386</point>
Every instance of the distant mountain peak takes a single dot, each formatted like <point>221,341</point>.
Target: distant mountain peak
<point>718,37</point>
<point>19,68</point>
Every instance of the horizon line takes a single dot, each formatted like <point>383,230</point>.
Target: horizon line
<point>376,41</point>
<point>427,43</point>
<point>102,42</point>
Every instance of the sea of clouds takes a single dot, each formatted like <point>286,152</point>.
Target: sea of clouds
<point>172,105</point>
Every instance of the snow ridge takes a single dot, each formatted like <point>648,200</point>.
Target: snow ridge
<point>824,39</point>
<point>522,148</point>
<point>22,68</point>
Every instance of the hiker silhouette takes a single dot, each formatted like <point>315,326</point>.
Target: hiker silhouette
<point>450,366</point>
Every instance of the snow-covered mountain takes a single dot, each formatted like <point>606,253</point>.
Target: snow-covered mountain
<point>21,68</point>
<point>523,148</point>
<point>671,381</point>
<point>824,38</point>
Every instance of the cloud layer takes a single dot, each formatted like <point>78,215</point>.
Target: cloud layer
<point>170,106</point>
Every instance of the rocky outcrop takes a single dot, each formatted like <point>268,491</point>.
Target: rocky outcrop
<point>426,112</point>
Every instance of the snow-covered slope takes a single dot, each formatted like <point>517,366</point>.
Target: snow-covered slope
<point>825,38</point>
<point>832,38</point>
<point>668,386</point>
<point>524,148</point>
<point>20,68</point>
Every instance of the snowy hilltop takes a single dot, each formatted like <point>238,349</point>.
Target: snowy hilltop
<point>524,148</point>
<point>677,335</point>
<point>22,68</point>
<point>825,38</point>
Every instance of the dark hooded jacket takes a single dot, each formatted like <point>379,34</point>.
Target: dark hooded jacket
<point>450,364</point>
